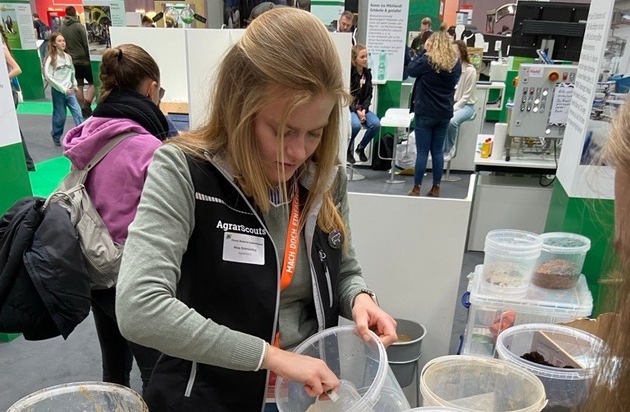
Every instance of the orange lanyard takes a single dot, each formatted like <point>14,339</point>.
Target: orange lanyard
<point>292,244</point>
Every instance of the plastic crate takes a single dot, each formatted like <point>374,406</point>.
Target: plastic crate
<point>489,314</point>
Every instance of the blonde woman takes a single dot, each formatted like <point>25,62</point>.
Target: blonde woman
<point>437,72</point>
<point>240,247</point>
<point>465,97</point>
<point>610,390</point>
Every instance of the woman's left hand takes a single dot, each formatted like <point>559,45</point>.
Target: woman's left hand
<point>369,316</point>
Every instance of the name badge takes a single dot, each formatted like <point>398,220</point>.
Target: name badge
<point>241,248</point>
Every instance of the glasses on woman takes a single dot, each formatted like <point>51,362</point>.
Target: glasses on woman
<point>161,93</point>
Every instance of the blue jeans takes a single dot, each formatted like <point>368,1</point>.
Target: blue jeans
<point>271,407</point>
<point>60,102</point>
<point>459,117</point>
<point>430,135</point>
<point>373,125</point>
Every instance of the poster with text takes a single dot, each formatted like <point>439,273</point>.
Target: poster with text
<point>8,119</point>
<point>17,23</point>
<point>591,109</point>
<point>387,37</point>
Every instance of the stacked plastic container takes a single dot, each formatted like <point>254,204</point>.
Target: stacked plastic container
<point>489,314</point>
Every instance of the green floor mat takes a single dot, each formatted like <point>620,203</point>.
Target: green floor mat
<point>41,108</point>
<point>48,175</point>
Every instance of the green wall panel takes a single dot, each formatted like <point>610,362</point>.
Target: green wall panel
<point>31,80</point>
<point>419,9</point>
<point>96,68</point>
<point>593,218</point>
<point>14,181</point>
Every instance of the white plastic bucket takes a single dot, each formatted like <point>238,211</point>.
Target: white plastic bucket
<point>564,387</point>
<point>367,380</point>
<point>80,397</point>
<point>473,384</point>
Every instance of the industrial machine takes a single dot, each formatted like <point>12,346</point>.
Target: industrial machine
<point>541,107</point>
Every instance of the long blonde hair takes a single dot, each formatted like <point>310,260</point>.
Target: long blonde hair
<point>274,55</point>
<point>610,389</point>
<point>441,55</point>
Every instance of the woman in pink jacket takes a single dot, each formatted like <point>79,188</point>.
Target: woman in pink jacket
<point>129,98</point>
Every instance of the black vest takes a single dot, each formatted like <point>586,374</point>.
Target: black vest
<point>240,296</point>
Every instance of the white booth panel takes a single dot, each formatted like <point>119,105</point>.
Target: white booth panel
<point>205,50</point>
<point>508,202</point>
<point>166,46</point>
<point>411,251</point>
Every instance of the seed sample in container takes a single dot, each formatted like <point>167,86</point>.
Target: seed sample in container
<point>561,260</point>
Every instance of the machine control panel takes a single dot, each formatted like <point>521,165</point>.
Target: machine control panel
<point>542,100</point>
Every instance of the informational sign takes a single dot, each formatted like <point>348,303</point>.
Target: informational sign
<point>99,16</point>
<point>561,103</point>
<point>17,23</point>
<point>386,37</point>
<point>574,176</point>
<point>8,119</point>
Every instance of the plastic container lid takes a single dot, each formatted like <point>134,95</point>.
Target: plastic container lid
<point>565,243</point>
<point>573,303</point>
<point>582,346</point>
<point>80,397</point>
<point>513,243</point>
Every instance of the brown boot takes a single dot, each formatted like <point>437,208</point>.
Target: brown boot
<point>415,191</point>
<point>434,192</point>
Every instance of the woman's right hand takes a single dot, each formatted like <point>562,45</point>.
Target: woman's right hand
<point>312,372</point>
<point>70,91</point>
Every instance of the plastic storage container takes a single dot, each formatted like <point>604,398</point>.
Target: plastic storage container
<point>509,261</point>
<point>367,382</point>
<point>490,314</point>
<point>80,397</point>
<point>481,385</point>
<point>561,346</point>
<point>403,355</point>
<point>560,263</point>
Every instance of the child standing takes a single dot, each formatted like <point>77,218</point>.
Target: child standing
<point>59,72</point>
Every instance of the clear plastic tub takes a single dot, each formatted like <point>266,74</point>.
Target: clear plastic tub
<point>474,384</point>
<point>509,261</point>
<point>80,397</point>
<point>560,346</point>
<point>490,314</point>
<point>367,382</point>
<point>560,263</point>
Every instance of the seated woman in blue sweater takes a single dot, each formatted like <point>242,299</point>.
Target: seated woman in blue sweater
<point>361,89</point>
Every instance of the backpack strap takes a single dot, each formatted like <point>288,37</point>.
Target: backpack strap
<point>106,149</point>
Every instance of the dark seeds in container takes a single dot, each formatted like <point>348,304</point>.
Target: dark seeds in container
<point>556,274</point>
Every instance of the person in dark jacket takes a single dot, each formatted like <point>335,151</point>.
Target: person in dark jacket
<point>240,248</point>
<point>360,114</point>
<point>78,48</point>
<point>437,72</point>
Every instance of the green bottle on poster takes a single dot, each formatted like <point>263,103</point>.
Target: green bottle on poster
<point>382,65</point>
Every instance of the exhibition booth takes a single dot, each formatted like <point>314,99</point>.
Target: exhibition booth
<point>535,176</point>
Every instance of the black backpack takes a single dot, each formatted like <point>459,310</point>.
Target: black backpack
<point>386,149</point>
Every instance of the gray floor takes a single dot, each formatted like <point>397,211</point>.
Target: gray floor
<point>26,367</point>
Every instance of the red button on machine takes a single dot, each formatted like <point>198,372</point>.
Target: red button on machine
<point>554,76</point>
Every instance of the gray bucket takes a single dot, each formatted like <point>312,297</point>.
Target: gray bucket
<point>409,351</point>
<point>403,355</point>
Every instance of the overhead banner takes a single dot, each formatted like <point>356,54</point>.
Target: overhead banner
<point>386,38</point>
